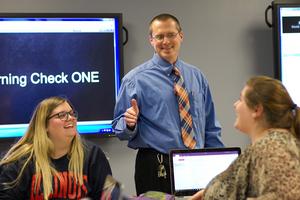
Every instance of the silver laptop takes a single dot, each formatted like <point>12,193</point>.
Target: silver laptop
<point>192,170</point>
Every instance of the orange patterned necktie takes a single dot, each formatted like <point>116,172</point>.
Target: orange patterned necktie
<point>186,121</point>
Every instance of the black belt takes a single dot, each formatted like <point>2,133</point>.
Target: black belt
<point>150,150</point>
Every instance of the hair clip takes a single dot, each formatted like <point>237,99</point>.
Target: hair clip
<point>294,109</point>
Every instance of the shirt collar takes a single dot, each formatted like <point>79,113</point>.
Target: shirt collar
<point>163,64</point>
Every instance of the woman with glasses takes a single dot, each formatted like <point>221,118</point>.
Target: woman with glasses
<point>51,161</point>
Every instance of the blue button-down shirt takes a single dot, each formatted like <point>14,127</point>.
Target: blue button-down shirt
<point>158,126</point>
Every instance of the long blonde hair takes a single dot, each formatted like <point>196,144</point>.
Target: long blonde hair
<point>36,146</point>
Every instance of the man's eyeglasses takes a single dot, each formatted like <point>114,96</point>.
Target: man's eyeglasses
<point>64,116</point>
<point>160,37</point>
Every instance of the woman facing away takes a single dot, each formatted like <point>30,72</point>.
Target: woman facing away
<point>51,161</point>
<point>270,167</point>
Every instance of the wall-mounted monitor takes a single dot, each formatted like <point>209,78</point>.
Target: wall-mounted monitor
<point>75,55</point>
<point>286,32</point>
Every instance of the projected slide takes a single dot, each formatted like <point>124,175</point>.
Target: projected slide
<point>55,64</point>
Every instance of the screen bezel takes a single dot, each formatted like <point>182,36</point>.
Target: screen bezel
<point>286,73</point>
<point>276,5</point>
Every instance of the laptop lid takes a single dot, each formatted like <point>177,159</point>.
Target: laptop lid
<point>192,169</point>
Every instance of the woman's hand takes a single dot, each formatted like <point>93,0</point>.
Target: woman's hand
<point>198,196</point>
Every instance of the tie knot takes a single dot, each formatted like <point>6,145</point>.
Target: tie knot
<point>176,71</point>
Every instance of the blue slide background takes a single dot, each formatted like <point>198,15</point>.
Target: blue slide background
<point>53,53</point>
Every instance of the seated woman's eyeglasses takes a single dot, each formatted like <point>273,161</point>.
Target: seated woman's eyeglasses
<point>64,116</point>
<point>161,37</point>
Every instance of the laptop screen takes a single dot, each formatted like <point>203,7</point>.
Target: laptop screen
<point>192,170</point>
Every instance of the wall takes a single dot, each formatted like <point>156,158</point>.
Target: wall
<point>228,40</point>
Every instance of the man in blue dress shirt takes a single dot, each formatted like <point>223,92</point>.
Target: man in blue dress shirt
<point>146,111</point>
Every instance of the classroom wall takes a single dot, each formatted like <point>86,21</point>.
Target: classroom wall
<point>228,40</point>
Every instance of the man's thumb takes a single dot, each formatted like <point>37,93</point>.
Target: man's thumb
<point>134,105</point>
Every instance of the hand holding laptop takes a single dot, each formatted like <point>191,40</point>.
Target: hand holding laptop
<point>198,195</point>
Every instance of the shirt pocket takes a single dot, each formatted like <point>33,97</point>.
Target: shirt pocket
<point>196,104</point>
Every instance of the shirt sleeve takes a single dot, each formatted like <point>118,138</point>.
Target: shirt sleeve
<point>98,169</point>
<point>277,173</point>
<point>212,126</point>
<point>126,93</point>
<point>9,173</point>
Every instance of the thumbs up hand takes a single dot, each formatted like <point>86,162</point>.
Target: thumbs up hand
<point>131,114</point>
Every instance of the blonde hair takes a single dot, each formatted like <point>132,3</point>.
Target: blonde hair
<point>279,108</point>
<point>36,146</point>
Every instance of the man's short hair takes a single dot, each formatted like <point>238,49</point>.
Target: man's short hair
<point>164,17</point>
